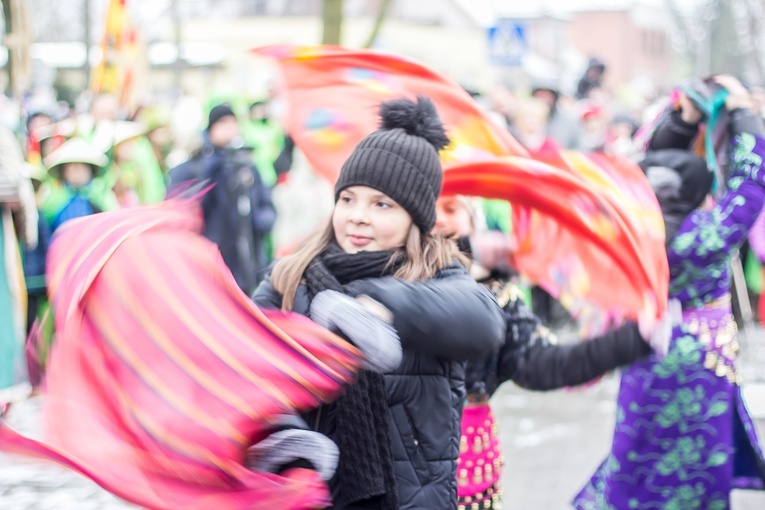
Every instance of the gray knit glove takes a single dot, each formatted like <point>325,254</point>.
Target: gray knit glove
<point>374,337</point>
<point>286,446</point>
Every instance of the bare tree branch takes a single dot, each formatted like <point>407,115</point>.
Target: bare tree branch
<point>379,19</point>
<point>689,44</point>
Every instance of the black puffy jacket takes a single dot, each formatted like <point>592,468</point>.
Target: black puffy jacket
<point>442,323</point>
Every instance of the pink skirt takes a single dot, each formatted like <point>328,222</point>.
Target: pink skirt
<point>479,467</point>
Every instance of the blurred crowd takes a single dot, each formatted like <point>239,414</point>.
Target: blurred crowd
<point>95,155</point>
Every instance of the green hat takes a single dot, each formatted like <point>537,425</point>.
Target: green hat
<point>75,150</point>
<point>125,130</point>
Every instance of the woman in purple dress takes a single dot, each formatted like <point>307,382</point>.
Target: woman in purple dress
<point>683,438</point>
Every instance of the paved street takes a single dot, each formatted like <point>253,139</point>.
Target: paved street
<point>34,485</point>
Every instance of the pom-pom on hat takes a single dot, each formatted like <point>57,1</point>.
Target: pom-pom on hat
<point>401,158</point>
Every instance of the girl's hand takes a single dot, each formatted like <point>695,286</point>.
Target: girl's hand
<point>688,111</point>
<point>738,96</point>
<point>658,332</point>
<point>493,249</point>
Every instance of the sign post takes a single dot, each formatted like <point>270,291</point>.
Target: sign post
<point>507,43</point>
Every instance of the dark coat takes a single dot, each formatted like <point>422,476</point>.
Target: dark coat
<point>238,210</point>
<point>34,259</point>
<point>441,323</point>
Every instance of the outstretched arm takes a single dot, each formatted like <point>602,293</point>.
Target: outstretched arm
<point>544,366</point>
<point>532,359</point>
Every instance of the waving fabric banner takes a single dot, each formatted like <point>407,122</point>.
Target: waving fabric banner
<point>594,247</point>
<point>163,372</point>
<point>332,96</point>
<point>588,227</point>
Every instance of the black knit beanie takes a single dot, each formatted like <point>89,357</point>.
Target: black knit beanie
<point>401,159</point>
<point>217,113</point>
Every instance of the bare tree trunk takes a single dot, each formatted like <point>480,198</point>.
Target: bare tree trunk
<point>332,17</point>
<point>725,42</point>
<point>689,45</point>
<point>381,14</point>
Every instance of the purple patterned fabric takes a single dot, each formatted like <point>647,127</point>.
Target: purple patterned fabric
<point>683,437</point>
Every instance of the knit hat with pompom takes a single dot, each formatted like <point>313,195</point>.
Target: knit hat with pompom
<point>401,158</point>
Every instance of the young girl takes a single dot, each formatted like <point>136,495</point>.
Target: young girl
<point>683,437</point>
<point>398,433</point>
<point>528,357</point>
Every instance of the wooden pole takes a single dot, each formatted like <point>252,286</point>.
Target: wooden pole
<point>9,40</point>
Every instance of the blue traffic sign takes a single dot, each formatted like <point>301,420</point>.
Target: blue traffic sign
<point>507,42</point>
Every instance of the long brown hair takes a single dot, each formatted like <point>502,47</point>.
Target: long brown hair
<point>424,255</point>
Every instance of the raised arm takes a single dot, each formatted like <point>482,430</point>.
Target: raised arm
<point>709,237</point>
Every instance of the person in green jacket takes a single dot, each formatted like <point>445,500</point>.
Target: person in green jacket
<point>134,169</point>
<point>266,137</point>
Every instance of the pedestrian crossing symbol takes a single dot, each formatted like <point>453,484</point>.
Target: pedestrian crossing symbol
<point>507,43</point>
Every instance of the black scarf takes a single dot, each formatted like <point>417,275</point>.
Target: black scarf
<point>365,469</point>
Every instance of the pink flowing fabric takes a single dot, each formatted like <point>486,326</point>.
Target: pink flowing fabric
<point>163,372</point>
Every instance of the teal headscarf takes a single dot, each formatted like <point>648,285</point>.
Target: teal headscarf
<point>711,103</point>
